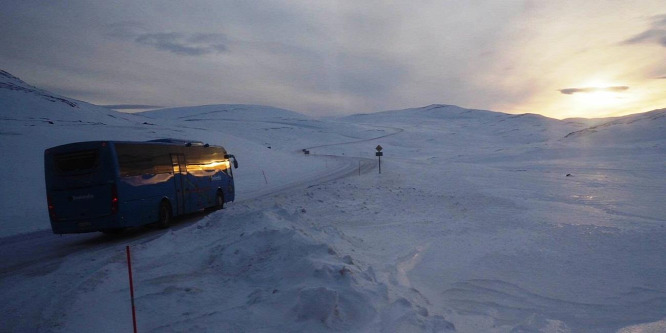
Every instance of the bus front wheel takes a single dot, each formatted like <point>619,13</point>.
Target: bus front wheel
<point>219,201</point>
<point>164,216</point>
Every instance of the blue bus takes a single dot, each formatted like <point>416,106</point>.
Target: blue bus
<point>109,186</point>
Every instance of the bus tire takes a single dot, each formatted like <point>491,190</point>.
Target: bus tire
<point>164,215</point>
<point>219,201</point>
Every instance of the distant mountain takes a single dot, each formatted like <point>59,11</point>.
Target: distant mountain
<point>434,111</point>
<point>225,111</point>
<point>274,127</point>
<point>479,125</point>
<point>527,128</point>
<point>20,101</point>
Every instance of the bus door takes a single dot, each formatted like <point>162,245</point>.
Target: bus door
<point>179,177</point>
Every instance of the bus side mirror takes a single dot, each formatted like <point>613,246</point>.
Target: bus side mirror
<point>232,157</point>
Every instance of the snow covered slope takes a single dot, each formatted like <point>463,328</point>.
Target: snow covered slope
<point>227,112</point>
<point>479,222</point>
<point>481,126</point>
<point>31,105</point>
<point>272,127</point>
<point>639,129</point>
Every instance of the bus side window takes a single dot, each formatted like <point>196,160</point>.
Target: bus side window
<point>137,160</point>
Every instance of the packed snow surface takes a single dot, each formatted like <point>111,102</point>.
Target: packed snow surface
<point>479,222</point>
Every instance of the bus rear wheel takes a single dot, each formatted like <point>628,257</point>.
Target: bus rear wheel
<point>164,215</point>
<point>219,201</point>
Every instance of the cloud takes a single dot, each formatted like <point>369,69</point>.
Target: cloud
<point>571,91</point>
<point>185,44</point>
<point>656,33</point>
<point>192,44</point>
<point>653,35</point>
<point>326,56</point>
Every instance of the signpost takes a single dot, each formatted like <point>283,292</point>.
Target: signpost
<point>379,155</point>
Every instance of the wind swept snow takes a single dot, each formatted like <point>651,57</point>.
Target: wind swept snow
<point>479,222</point>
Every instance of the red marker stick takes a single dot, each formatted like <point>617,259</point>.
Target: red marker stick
<point>129,268</point>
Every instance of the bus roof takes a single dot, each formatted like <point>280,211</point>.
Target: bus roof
<point>165,141</point>
<point>178,142</point>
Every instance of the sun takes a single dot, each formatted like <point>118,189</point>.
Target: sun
<point>598,97</point>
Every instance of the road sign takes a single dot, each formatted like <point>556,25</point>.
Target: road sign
<point>379,155</point>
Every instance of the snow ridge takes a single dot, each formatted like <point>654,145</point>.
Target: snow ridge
<point>11,82</point>
<point>271,271</point>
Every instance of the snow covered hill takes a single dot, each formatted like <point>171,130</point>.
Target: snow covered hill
<point>272,127</point>
<point>227,112</point>
<point>639,129</point>
<point>31,105</point>
<point>479,222</point>
<point>482,126</point>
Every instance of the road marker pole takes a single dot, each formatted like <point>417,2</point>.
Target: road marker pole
<point>129,269</point>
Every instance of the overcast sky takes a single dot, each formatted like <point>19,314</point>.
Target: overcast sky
<point>558,58</point>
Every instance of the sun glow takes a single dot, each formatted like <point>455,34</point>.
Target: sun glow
<point>598,97</point>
